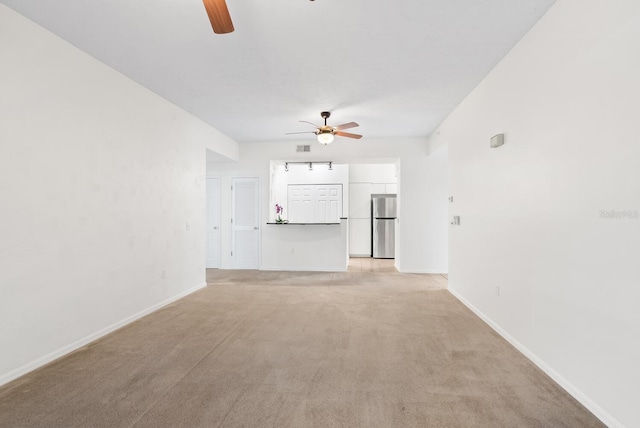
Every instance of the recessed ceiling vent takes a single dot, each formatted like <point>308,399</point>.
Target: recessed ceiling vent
<point>306,148</point>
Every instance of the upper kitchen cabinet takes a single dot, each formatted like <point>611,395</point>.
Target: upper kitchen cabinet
<point>360,200</point>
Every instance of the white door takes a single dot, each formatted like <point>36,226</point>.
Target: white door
<point>213,223</point>
<point>245,240</point>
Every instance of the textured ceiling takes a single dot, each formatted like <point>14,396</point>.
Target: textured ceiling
<point>396,67</point>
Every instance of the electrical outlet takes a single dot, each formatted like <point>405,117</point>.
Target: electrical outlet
<point>188,226</point>
<point>163,275</point>
<point>497,290</point>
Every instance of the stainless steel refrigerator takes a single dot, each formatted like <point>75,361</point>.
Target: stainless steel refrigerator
<point>383,224</point>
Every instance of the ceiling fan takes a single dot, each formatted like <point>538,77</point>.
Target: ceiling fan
<point>327,133</point>
<point>219,16</point>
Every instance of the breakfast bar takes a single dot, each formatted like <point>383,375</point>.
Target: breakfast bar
<point>306,246</point>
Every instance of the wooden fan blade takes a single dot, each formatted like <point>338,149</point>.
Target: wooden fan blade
<point>348,135</point>
<point>306,121</point>
<point>219,16</point>
<point>305,132</point>
<point>346,126</point>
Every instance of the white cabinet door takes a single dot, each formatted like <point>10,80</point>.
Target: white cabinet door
<point>377,188</point>
<point>360,219</point>
<point>360,200</point>
<point>300,202</point>
<point>329,203</point>
<point>213,223</point>
<point>245,223</point>
<point>391,188</point>
<point>359,237</point>
<point>314,203</point>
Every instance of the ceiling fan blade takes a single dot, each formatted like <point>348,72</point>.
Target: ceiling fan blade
<point>219,16</point>
<point>305,132</point>
<point>348,135</point>
<point>306,121</point>
<point>346,126</point>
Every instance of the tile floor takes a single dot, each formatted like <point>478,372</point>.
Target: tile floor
<point>369,264</point>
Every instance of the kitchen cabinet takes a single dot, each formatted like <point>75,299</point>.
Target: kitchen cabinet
<point>377,188</point>
<point>360,237</point>
<point>360,200</point>
<point>314,203</point>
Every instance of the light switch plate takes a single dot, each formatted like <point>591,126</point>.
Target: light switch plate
<point>496,141</point>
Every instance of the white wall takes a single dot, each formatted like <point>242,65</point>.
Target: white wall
<point>101,190</point>
<point>295,247</point>
<point>567,99</point>
<point>433,210</point>
<point>414,250</point>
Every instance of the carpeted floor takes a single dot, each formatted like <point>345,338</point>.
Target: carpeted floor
<point>276,349</point>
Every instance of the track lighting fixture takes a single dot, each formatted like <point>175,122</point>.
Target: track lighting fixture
<point>310,164</point>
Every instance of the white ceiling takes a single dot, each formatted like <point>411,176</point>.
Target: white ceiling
<point>396,67</point>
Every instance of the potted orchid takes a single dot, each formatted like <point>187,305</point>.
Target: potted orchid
<point>279,213</point>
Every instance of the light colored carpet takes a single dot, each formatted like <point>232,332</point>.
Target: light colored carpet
<point>276,349</point>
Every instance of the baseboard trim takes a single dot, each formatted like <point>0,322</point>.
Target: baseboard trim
<point>430,271</point>
<point>42,361</point>
<point>299,269</point>
<point>594,408</point>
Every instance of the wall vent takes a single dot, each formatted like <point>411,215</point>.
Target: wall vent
<point>306,148</point>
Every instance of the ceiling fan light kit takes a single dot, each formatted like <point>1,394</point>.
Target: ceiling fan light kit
<point>325,138</point>
<point>326,133</point>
